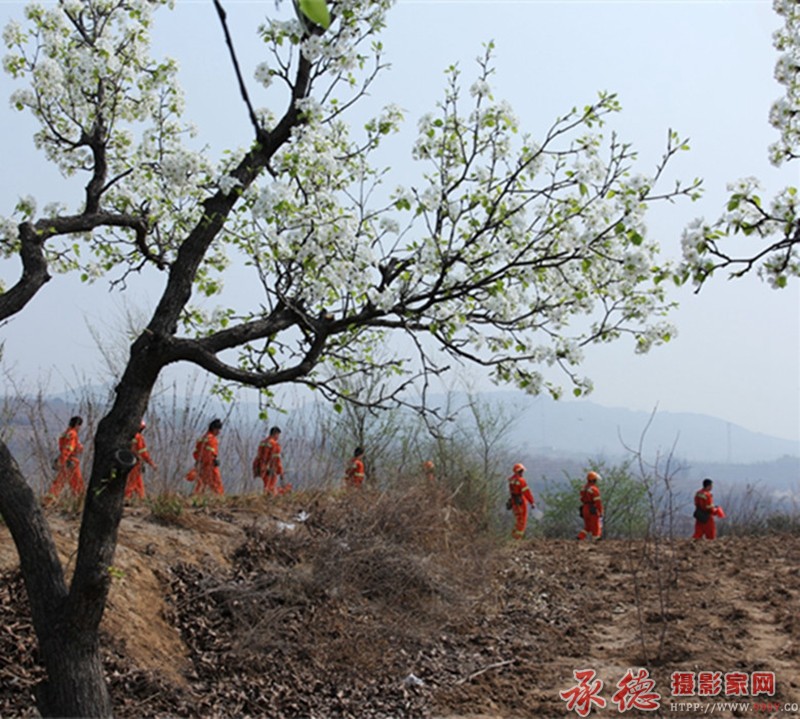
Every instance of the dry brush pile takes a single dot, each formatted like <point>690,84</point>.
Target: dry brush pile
<point>322,612</point>
<point>322,616</point>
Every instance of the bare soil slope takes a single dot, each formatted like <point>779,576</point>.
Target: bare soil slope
<point>331,607</point>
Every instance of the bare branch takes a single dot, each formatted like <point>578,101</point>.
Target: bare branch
<point>242,87</point>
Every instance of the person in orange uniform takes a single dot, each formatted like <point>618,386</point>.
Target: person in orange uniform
<point>430,471</point>
<point>68,463</point>
<point>206,474</point>
<point>704,511</point>
<point>521,497</point>
<point>354,474</point>
<point>268,464</point>
<point>591,508</point>
<point>135,482</point>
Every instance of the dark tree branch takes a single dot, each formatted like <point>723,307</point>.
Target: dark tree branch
<point>784,245</point>
<point>242,87</point>
<point>34,262</point>
<point>217,209</point>
<point>97,143</point>
<point>39,562</point>
<point>34,273</point>
<point>194,351</point>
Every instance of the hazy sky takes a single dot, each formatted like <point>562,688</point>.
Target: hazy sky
<point>702,68</point>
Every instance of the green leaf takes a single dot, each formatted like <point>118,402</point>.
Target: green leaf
<point>635,237</point>
<point>316,11</point>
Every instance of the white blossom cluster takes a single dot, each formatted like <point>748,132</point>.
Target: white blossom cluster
<point>9,235</point>
<point>24,210</point>
<point>524,241</point>
<point>336,53</point>
<point>774,223</point>
<point>95,89</point>
<point>514,252</point>
<point>306,224</point>
<point>785,112</point>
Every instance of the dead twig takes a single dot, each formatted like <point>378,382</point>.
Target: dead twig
<point>496,665</point>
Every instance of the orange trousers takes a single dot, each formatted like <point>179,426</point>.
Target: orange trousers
<point>270,483</point>
<point>591,524</point>
<point>67,474</point>
<point>705,529</point>
<point>520,519</point>
<point>208,479</point>
<point>135,482</point>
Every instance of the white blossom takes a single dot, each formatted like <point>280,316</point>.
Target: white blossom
<point>9,229</point>
<point>480,88</point>
<point>263,74</point>
<point>226,183</point>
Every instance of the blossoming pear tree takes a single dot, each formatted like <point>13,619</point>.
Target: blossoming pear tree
<point>773,226</point>
<point>511,252</point>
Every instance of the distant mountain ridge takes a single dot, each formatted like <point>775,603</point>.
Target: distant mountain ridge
<point>548,426</point>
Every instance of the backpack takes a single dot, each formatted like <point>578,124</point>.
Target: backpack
<point>701,515</point>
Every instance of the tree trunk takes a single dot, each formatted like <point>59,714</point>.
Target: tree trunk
<point>75,684</point>
<point>67,621</point>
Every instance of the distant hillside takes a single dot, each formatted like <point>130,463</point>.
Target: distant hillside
<point>546,426</point>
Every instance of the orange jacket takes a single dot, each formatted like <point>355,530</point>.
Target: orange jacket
<point>355,472</point>
<point>520,492</point>
<point>206,451</point>
<point>703,499</point>
<point>590,497</point>
<point>69,448</point>
<point>268,459</point>
<point>139,449</point>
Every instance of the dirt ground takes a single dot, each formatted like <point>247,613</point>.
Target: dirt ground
<point>304,609</point>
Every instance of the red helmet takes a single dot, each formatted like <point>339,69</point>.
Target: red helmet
<point>518,468</point>
<point>427,464</point>
<point>592,477</point>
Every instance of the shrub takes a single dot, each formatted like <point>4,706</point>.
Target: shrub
<point>165,508</point>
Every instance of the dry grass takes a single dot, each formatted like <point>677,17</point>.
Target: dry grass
<point>404,559</point>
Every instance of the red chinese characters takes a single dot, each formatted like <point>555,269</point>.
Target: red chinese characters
<point>635,691</point>
<point>585,693</point>
<point>762,683</point>
<point>709,684</point>
<point>683,684</point>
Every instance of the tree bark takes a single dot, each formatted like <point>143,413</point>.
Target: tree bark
<point>76,684</point>
<point>67,621</point>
